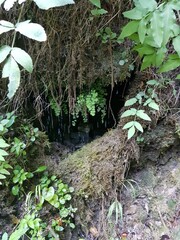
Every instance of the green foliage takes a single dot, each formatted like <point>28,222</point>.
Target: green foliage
<point>55,107</point>
<point>5,122</point>
<point>144,99</point>
<point>152,27</point>
<point>49,191</point>
<point>98,10</point>
<point>89,103</point>
<point>107,35</point>
<point>116,207</point>
<point>15,58</point>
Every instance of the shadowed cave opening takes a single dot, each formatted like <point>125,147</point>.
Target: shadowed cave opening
<point>60,129</point>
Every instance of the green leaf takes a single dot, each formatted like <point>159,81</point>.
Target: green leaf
<point>143,115</point>
<point>31,30</point>
<point>134,14</point>
<point>4,171</point>
<point>48,193</point>
<point>130,112</point>
<point>170,64</point>
<point>46,4</point>
<point>131,132</point>
<point>130,102</point>
<point>152,82</point>
<point>176,44</point>
<point>6,26</point>
<point>15,190</point>
<point>41,169</point>
<point>4,51</point>
<point>96,3</point>
<point>129,29</point>
<point>146,6</point>
<point>142,29</point>
<point>3,144</point>
<point>97,12</point>
<point>5,236</point>
<point>148,61</point>
<point>160,55</point>
<point>128,125</point>
<point>169,21</point>
<point>17,234</point>
<point>22,58</point>
<point>157,27</point>
<point>138,126</point>
<point>2,176</point>
<point>154,105</point>
<point>14,78</point>
<point>7,66</point>
<point>64,212</point>
<point>3,153</point>
<point>144,50</point>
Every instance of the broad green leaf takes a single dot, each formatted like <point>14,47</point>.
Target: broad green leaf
<point>41,169</point>
<point>22,58</point>
<point>176,44</point>
<point>129,29</point>
<point>17,234</point>
<point>130,112</point>
<point>144,50</point>
<point>147,101</point>
<point>46,4</point>
<point>148,61</point>
<point>160,55</point>
<point>3,153</point>
<point>32,30</point>
<point>128,125</point>
<point>2,176</point>
<point>131,132</point>
<point>134,14</point>
<point>5,236</point>
<point>130,102</point>
<point>152,82</point>
<point>48,193</point>
<point>14,78</point>
<point>1,158</point>
<point>138,126</point>
<point>175,4</point>
<point>145,5</point>
<point>97,12</point>
<point>4,171</point>
<point>157,27</point>
<point>170,64</point>
<point>6,26</point>
<point>3,144</point>
<point>154,105</point>
<point>142,29</point>
<point>169,19</point>
<point>31,223</point>
<point>4,51</point>
<point>96,3</point>
<point>143,115</point>
<point>6,68</point>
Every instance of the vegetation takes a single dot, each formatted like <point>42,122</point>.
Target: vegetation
<point>153,32</point>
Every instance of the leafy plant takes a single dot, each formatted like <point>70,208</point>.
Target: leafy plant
<point>15,58</point>
<point>98,10</point>
<point>148,99</point>
<point>90,103</point>
<point>54,192</point>
<point>152,27</point>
